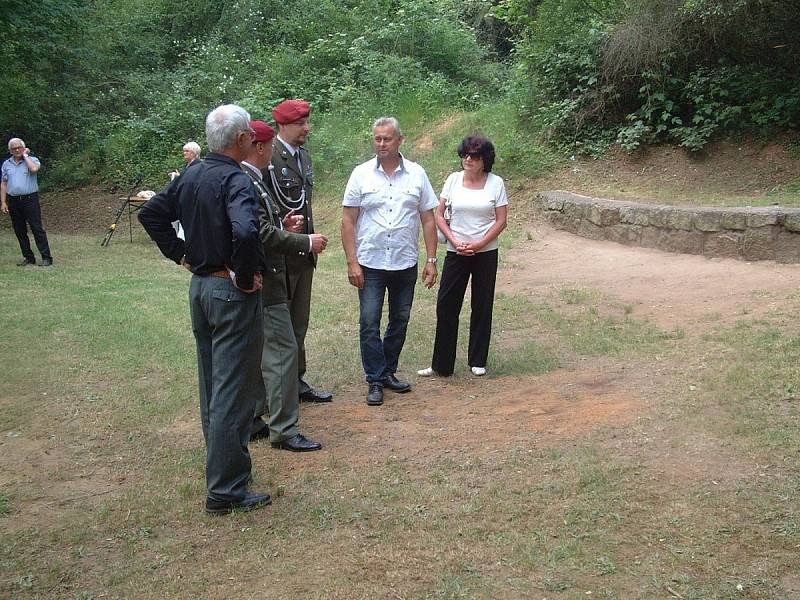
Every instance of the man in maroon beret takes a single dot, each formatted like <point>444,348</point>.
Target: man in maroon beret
<point>279,355</point>
<point>291,181</point>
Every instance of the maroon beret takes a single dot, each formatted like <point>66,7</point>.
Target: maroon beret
<point>263,131</point>
<point>290,111</point>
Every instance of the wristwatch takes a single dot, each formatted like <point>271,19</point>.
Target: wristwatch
<point>432,260</point>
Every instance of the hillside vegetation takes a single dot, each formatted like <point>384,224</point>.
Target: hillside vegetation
<point>106,90</point>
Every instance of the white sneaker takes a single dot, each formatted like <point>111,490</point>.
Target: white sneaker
<point>425,372</point>
<point>478,371</point>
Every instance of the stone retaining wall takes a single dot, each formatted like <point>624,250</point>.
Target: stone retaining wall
<point>763,233</point>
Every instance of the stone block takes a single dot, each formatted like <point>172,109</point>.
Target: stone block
<point>634,215</point>
<point>685,242</point>
<point>733,219</point>
<point>762,219</point>
<point>589,230</point>
<point>725,244</point>
<point>561,221</point>
<point>759,244</point>
<point>623,233</point>
<point>673,240</point>
<point>574,210</point>
<point>680,219</point>
<point>609,215</point>
<point>708,221</point>
<point>592,214</point>
<point>787,247</point>
<point>792,221</point>
<point>602,214</point>
<point>657,217</point>
<point>554,203</point>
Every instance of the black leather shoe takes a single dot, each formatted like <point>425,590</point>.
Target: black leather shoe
<point>375,394</point>
<point>259,431</point>
<point>26,263</point>
<point>46,262</point>
<point>298,443</point>
<point>312,395</point>
<point>249,502</point>
<point>394,384</point>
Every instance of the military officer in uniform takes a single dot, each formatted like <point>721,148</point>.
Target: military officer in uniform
<point>291,181</point>
<point>279,354</point>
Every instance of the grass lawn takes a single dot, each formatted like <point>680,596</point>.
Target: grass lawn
<point>602,457</point>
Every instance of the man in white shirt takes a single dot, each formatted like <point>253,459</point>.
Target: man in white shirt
<point>386,200</point>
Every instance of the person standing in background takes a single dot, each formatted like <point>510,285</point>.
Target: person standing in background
<point>19,198</point>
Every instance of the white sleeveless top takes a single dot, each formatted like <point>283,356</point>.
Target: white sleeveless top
<point>473,211</point>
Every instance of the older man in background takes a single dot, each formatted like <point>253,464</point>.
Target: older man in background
<point>279,357</point>
<point>216,203</point>
<point>19,197</point>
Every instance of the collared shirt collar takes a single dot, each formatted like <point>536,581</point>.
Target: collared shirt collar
<point>254,169</point>
<point>292,149</point>
<point>379,167</point>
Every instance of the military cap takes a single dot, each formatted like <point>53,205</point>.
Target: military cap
<point>290,111</point>
<point>263,132</point>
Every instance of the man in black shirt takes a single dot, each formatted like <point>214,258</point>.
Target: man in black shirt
<point>216,205</point>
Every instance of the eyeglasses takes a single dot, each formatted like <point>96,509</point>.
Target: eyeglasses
<point>16,147</point>
<point>472,155</point>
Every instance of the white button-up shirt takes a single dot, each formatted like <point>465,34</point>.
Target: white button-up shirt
<point>387,230</point>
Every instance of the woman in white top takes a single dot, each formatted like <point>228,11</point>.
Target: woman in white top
<point>478,210</point>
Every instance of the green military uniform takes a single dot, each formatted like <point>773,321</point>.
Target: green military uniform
<point>279,355</point>
<point>291,184</point>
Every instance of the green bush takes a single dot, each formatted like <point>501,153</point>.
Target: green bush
<point>652,71</point>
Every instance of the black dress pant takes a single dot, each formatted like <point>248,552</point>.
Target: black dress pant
<point>24,211</point>
<point>481,268</point>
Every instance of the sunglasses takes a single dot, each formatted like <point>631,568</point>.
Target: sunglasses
<point>472,155</point>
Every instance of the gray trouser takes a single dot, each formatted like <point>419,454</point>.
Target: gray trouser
<point>279,371</point>
<point>227,325</point>
<point>300,282</point>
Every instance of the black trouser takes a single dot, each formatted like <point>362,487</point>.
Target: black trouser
<point>24,211</point>
<point>457,270</point>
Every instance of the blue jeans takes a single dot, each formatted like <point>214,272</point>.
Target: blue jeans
<point>380,357</point>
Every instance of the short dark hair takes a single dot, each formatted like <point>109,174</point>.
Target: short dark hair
<point>481,145</point>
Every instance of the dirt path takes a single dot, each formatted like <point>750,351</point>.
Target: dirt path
<point>672,290</point>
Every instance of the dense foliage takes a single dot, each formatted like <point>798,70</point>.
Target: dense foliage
<point>648,71</point>
<point>115,87</point>
<point>110,88</point>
